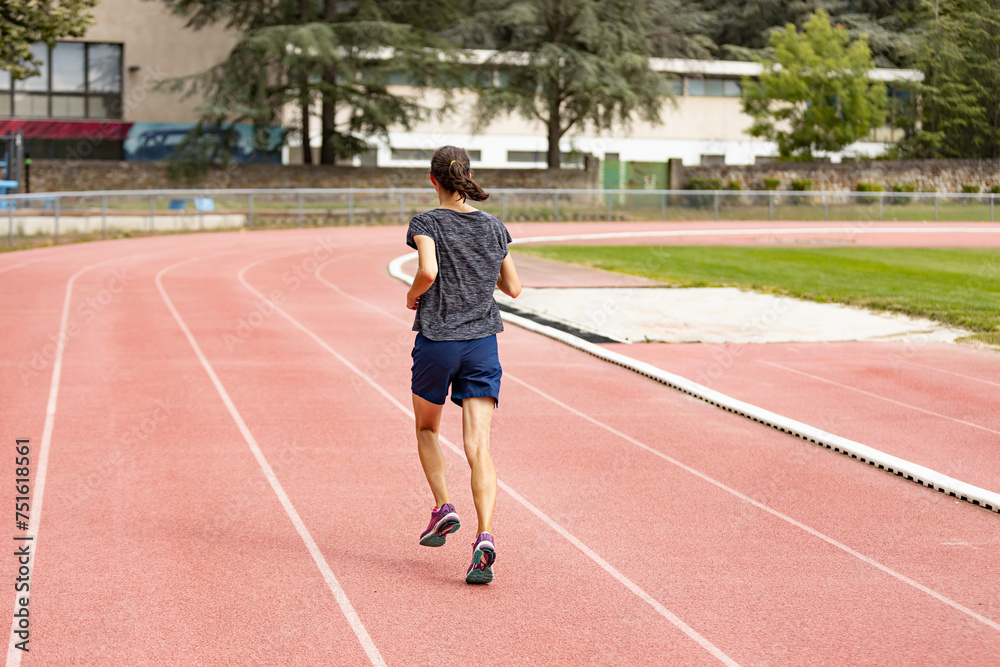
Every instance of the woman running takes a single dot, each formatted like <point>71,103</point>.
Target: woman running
<point>462,257</point>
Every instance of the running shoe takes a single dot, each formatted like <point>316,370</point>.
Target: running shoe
<point>484,554</point>
<point>444,520</point>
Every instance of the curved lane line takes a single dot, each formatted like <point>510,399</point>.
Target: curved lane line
<point>38,495</point>
<point>878,396</point>
<point>941,370</point>
<point>331,580</point>
<point>572,539</point>
<point>690,387</point>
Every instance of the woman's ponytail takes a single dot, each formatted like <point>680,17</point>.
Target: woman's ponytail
<point>452,168</point>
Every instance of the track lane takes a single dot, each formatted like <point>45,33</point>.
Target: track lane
<point>288,464</point>
<point>367,456</point>
<point>868,392</point>
<point>355,273</point>
<point>175,538</point>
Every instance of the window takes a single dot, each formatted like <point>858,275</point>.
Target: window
<point>571,160</point>
<point>76,80</point>
<point>713,160</point>
<point>68,75</point>
<point>5,101</point>
<point>714,87</point>
<point>425,154</point>
<point>41,82</point>
<point>676,86</point>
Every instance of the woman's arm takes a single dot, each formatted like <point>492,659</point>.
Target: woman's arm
<point>508,282</point>
<point>427,270</point>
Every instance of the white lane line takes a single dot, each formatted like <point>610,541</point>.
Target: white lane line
<point>784,517</point>
<point>720,399</point>
<point>878,396</point>
<point>38,494</point>
<point>783,231</point>
<point>587,551</point>
<point>331,581</point>
<point>967,377</point>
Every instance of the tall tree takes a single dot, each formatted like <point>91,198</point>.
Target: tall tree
<point>25,22</point>
<point>958,112</point>
<point>742,28</point>
<point>815,94</point>
<point>567,63</point>
<point>297,51</point>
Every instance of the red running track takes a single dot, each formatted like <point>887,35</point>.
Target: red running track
<point>635,525</point>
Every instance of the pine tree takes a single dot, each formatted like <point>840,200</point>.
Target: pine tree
<point>336,52</point>
<point>567,63</point>
<point>815,94</point>
<point>25,22</point>
<point>958,113</point>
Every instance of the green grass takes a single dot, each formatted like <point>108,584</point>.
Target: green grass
<point>956,287</point>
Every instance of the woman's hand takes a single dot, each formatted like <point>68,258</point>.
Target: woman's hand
<point>412,301</point>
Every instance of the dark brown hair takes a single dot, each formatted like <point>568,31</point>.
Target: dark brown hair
<point>451,168</point>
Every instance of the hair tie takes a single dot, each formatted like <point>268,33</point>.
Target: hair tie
<point>451,163</point>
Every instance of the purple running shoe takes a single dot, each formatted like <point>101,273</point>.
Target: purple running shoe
<point>484,554</point>
<point>443,521</point>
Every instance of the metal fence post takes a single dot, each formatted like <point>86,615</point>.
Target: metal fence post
<point>555,207</point>
<point>10,222</point>
<point>503,201</point>
<point>300,209</point>
<point>58,200</point>
<point>350,207</point>
<point>936,198</point>
<point>104,216</point>
<point>250,210</point>
<point>663,207</point>
<point>992,198</point>
<point>716,205</point>
<point>402,208</point>
<point>881,196</point>
<point>610,204</point>
<point>770,207</point>
<point>826,207</point>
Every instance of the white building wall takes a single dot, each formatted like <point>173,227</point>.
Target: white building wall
<point>692,127</point>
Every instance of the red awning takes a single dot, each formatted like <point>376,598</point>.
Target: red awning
<point>115,130</point>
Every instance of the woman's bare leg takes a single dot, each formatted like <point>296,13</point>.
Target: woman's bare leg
<point>477,413</point>
<point>427,416</point>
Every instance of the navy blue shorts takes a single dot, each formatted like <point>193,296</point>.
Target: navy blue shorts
<point>470,367</point>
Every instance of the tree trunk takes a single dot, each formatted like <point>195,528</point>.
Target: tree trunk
<point>328,125</point>
<point>554,129</point>
<point>307,154</point>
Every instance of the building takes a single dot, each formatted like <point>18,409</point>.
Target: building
<point>97,98</point>
<point>704,124</point>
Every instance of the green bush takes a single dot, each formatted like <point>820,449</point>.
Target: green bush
<point>736,185</point>
<point>801,185</point>
<point>866,186</point>
<point>772,183</point>
<point>970,189</point>
<point>902,187</point>
<point>703,183</point>
<point>995,189</point>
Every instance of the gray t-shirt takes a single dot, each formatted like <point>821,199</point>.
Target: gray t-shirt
<point>470,248</point>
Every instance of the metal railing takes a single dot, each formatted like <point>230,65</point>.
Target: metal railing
<point>49,217</point>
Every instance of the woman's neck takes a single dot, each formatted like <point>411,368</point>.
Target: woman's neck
<point>453,202</point>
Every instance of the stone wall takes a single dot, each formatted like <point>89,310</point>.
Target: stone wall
<point>927,175</point>
<point>87,175</point>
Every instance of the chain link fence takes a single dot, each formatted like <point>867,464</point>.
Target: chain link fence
<point>41,219</point>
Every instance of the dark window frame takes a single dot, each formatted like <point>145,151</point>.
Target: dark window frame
<point>117,110</point>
